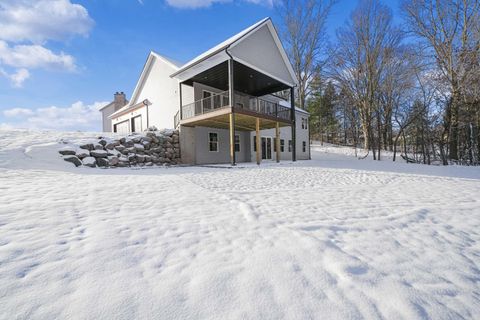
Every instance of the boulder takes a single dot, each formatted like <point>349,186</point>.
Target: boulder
<point>103,142</point>
<point>112,145</point>
<point>149,164</point>
<point>67,151</point>
<point>113,161</point>
<point>102,162</point>
<point>73,159</point>
<point>82,153</point>
<point>120,148</point>
<point>97,146</point>
<point>99,153</point>
<point>89,162</point>
<point>139,147</point>
<point>87,146</point>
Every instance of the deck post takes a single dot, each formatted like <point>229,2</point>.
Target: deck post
<point>257,142</point>
<point>231,93</point>
<point>232,138</point>
<point>277,140</point>
<point>292,119</point>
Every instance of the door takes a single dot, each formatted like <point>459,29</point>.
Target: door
<point>267,148</point>
<point>137,124</point>
<point>121,127</point>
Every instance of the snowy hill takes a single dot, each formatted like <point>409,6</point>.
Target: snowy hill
<point>334,237</point>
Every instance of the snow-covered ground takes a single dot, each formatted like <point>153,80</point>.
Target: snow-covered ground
<point>331,238</point>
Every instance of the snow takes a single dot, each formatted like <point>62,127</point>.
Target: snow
<point>334,237</point>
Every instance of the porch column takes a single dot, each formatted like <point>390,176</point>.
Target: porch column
<point>257,142</point>
<point>292,119</point>
<point>231,94</point>
<point>277,140</point>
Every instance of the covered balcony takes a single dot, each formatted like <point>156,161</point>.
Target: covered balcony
<point>235,87</point>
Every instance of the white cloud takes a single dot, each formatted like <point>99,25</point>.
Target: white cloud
<point>18,112</point>
<point>77,117</point>
<point>195,4</point>
<point>34,56</point>
<point>16,78</point>
<point>25,28</point>
<point>41,20</point>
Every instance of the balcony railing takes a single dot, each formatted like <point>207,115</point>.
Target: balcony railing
<point>205,105</point>
<point>242,102</point>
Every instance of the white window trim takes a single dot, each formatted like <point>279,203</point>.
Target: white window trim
<point>218,142</point>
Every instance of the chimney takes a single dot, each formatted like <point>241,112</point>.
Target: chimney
<point>119,99</point>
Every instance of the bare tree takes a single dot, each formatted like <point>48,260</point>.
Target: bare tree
<point>303,32</point>
<point>364,46</point>
<point>450,29</point>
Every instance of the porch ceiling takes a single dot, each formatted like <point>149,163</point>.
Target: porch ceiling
<point>246,79</point>
<point>242,122</point>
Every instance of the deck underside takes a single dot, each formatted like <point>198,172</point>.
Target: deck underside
<point>244,120</point>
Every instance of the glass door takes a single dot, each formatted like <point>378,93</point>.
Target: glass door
<point>267,148</point>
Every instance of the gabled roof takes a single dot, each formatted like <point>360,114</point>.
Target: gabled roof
<point>148,64</point>
<point>214,54</point>
<point>106,106</point>
<point>151,57</point>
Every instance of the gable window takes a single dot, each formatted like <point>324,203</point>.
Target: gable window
<point>237,143</point>
<point>213,142</point>
<point>304,146</point>
<point>303,126</point>
<point>306,123</point>
<point>289,145</point>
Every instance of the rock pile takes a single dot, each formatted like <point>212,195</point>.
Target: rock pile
<point>152,147</point>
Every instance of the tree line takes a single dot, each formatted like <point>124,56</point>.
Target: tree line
<point>412,88</point>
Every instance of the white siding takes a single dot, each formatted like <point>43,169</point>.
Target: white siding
<point>106,122</point>
<point>260,51</point>
<point>162,92</point>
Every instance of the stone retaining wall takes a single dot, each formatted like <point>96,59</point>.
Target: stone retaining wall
<point>152,147</point>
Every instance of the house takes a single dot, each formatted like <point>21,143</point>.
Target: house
<point>222,100</point>
<point>119,100</point>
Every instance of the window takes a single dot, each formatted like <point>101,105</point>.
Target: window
<point>282,145</point>
<point>274,145</point>
<point>213,142</point>
<point>289,145</point>
<point>304,146</point>
<point>237,143</point>
<point>239,105</point>
<point>255,143</point>
<point>304,123</point>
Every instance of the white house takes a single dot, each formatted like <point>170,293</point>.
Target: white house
<point>222,100</point>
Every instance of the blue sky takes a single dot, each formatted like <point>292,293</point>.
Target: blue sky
<point>60,60</point>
